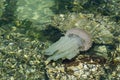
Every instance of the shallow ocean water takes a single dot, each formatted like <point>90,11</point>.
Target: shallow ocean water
<point>28,27</point>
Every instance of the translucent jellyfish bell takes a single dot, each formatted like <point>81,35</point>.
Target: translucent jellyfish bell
<point>68,46</point>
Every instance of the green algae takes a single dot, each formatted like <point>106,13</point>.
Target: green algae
<point>2,7</point>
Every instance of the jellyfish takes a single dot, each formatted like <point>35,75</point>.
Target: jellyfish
<point>69,45</point>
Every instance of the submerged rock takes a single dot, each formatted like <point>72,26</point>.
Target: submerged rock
<point>74,70</point>
<point>102,30</point>
<point>37,11</point>
<point>98,26</point>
